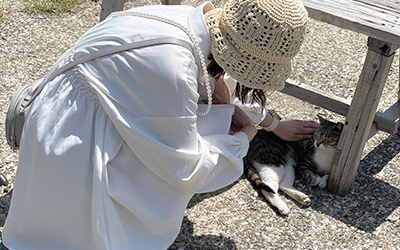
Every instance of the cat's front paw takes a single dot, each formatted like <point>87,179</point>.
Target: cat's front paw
<point>315,180</point>
<point>323,181</point>
<point>305,201</point>
<point>284,211</point>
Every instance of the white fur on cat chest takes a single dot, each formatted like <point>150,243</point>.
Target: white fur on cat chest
<point>323,157</point>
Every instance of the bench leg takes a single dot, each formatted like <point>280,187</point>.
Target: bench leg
<point>109,6</point>
<point>171,2</point>
<point>360,116</point>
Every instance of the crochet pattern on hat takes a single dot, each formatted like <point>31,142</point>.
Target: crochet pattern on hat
<point>255,41</point>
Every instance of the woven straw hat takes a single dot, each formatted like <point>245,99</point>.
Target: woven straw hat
<point>255,40</point>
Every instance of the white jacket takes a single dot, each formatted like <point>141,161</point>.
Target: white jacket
<point>113,150</point>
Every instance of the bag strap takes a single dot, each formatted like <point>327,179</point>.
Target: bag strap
<point>28,99</point>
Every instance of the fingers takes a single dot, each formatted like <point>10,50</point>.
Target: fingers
<point>296,130</point>
<point>312,125</point>
<point>302,137</point>
<point>306,131</point>
<point>303,128</point>
<point>295,137</point>
<point>307,124</point>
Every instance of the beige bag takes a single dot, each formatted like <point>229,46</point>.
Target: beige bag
<point>19,107</point>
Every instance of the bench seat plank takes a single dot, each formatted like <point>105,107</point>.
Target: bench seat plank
<point>377,19</point>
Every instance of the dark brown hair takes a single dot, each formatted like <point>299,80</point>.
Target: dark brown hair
<point>241,91</point>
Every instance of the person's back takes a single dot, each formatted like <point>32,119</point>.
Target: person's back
<point>95,130</point>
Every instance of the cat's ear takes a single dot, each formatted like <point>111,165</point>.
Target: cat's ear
<point>321,120</point>
<point>339,126</point>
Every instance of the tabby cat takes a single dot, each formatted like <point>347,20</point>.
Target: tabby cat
<point>272,164</point>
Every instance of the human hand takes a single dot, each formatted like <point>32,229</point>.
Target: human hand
<point>295,130</point>
<point>239,118</point>
<point>242,123</point>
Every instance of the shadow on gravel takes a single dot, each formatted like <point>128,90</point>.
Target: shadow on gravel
<point>4,205</point>
<point>197,198</point>
<point>371,200</point>
<point>2,247</point>
<point>186,240</point>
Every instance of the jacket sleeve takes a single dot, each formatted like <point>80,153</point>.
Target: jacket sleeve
<point>215,163</point>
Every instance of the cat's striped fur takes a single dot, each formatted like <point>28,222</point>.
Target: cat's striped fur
<point>271,163</point>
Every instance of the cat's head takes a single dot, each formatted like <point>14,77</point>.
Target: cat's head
<point>327,135</point>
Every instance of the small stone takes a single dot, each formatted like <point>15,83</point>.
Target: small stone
<point>3,180</point>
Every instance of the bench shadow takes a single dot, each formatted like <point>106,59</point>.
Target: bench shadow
<point>371,201</point>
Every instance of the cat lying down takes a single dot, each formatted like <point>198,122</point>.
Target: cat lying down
<point>271,164</point>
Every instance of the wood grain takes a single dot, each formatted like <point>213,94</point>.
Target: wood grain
<point>377,19</point>
<point>359,121</point>
<point>387,121</point>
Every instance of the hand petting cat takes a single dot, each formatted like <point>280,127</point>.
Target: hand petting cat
<point>289,130</point>
<point>295,130</point>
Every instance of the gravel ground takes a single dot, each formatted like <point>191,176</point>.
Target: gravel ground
<point>236,217</point>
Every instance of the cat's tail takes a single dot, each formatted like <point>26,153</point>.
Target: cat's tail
<point>263,189</point>
<point>254,178</point>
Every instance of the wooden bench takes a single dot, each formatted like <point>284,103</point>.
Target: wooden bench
<point>380,21</point>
